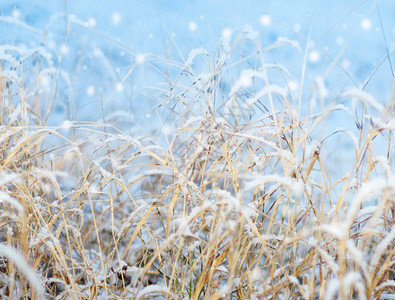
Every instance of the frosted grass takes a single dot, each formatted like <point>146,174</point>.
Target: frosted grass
<point>226,186</point>
<point>24,268</point>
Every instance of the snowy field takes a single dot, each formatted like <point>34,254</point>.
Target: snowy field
<point>197,149</point>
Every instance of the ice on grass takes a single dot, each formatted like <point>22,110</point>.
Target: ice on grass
<point>383,161</point>
<point>356,254</point>
<point>380,124</point>
<point>357,94</point>
<point>236,281</point>
<point>385,296</point>
<point>293,279</point>
<point>321,87</point>
<point>41,51</point>
<point>245,79</point>
<point>44,81</point>
<point>256,274</point>
<point>6,178</point>
<point>10,75</point>
<point>183,227</point>
<point>250,32</point>
<point>193,53</point>
<point>325,256</point>
<point>268,90</point>
<point>13,117</point>
<point>228,198</point>
<point>381,248</point>
<point>126,138</point>
<point>312,149</point>
<point>4,197</point>
<point>8,57</point>
<point>387,283</point>
<point>256,138</point>
<point>354,281</point>
<point>370,189</point>
<point>368,210</point>
<point>226,37</point>
<point>294,184</point>
<point>153,289</point>
<point>222,269</point>
<point>284,41</point>
<point>204,78</point>
<point>23,267</point>
<point>353,138</point>
<point>66,124</point>
<point>332,289</point>
<point>337,230</point>
<point>16,22</point>
<point>102,171</point>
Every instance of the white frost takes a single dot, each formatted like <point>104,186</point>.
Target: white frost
<point>193,53</point>
<point>292,183</point>
<point>155,288</point>
<point>66,124</point>
<point>366,98</point>
<point>250,32</point>
<point>23,267</point>
<point>4,197</point>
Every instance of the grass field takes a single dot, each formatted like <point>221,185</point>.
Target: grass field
<point>246,191</point>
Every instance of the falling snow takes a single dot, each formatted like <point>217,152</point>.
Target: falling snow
<point>265,20</point>
<point>116,18</point>
<point>192,26</point>
<point>314,56</point>
<point>366,24</point>
<point>140,59</point>
<point>119,87</point>
<point>90,91</point>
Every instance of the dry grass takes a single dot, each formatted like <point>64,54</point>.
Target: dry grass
<point>234,206</point>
